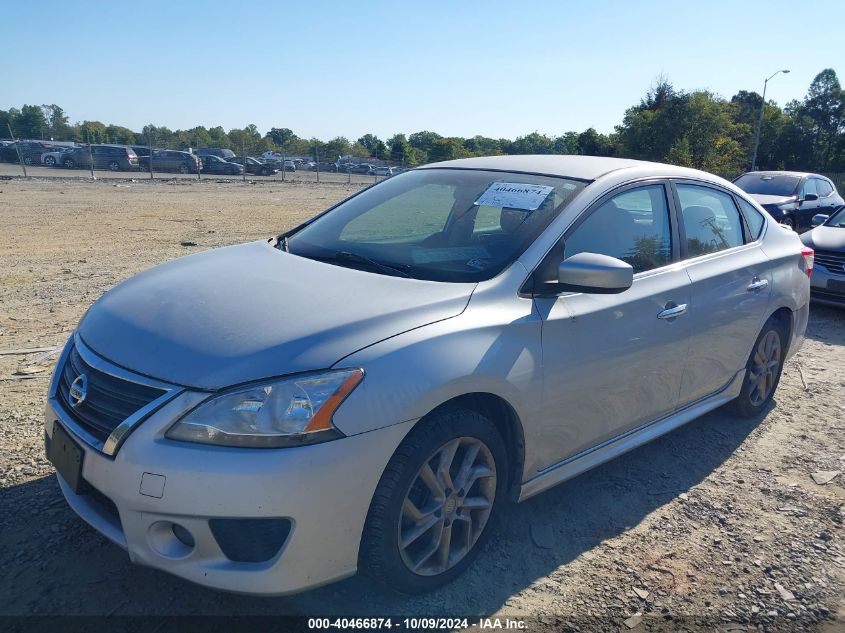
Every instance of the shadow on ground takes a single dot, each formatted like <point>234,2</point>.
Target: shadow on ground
<point>56,564</point>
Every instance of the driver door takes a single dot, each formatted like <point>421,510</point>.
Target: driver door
<point>613,362</point>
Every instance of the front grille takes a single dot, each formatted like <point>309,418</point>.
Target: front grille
<point>824,295</point>
<point>831,260</point>
<point>109,402</point>
<point>250,540</point>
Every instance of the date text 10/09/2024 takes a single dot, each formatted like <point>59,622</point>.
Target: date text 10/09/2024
<point>414,624</point>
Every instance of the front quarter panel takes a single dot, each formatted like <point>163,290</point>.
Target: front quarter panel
<point>493,347</point>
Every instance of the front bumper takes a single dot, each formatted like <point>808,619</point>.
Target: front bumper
<point>826,287</point>
<point>151,483</point>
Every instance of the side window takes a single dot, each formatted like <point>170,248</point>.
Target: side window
<point>711,220</point>
<point>824,188</point>
<point>809,187</point>
<point>632,226</point>
<point>753,219</point>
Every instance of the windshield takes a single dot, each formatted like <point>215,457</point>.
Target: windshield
<point>768,184</point>
<point>437,224</point>
<point>837,219</point>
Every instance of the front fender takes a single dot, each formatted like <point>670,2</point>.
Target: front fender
<point>495,350</point>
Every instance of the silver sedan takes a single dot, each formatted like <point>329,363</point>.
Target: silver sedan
<point>367,391</point>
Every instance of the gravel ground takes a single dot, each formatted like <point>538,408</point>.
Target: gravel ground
<point>724,522</point>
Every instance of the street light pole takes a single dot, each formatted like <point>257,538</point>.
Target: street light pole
<point>760,118</point>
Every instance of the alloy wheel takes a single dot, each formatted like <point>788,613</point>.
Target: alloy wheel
<point>447,506</point>
<point>764,368</point>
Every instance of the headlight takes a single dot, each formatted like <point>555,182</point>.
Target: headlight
<point>286,412</point>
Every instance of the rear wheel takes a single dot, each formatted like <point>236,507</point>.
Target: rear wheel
<point>183,169</point>
<point>114,166</point>
<point>762,371</point>
<point>436,502</point>
<point>69,163</point>
<point>27,160</point>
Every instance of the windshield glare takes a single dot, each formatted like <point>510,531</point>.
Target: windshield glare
<point>767,184</point>
<point>438,224</point>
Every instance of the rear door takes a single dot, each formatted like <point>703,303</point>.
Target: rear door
<point>612,362</point>
<point>731,286</point>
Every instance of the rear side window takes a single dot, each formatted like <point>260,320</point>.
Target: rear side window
<point>753,219</point>
<point>710,218</point>
<point>632,226</point>
<point>824,188</point>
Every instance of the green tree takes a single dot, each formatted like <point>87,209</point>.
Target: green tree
<point>31,123</point>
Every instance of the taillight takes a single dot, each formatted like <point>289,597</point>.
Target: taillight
<point>808,254</point>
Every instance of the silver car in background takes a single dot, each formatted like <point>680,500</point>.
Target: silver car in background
<point>369,390</point>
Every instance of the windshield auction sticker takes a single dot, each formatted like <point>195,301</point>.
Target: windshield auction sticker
<point>515,195</point>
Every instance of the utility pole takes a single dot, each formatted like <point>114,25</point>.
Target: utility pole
<point>760,119</point>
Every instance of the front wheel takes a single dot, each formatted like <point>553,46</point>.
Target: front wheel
<point>69,163</point>
<point>762,371</point>
<point>436,502</point>
<point>50,161</point>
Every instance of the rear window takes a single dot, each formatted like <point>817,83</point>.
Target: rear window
<point>768,184</point>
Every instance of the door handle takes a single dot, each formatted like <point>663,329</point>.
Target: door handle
<point>675,311</point>
<point>758,284</point>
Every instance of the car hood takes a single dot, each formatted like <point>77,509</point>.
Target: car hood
<point>248,312</point>
<point>764,200</point>
<point>825,238</point>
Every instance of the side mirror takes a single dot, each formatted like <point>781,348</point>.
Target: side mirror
<point>810,197</point>
<point>818,219</point>
<point>592,273</point>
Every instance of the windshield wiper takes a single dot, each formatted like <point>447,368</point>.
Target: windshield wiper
<point>388,269</point>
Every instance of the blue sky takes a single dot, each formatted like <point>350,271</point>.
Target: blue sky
<point>324,69</point>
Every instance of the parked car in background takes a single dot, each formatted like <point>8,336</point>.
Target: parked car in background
<point>173,161</point>
<point>255,166</point>
<point>387,172</point>
<point>29,151</point>
<point>225,154</point>
<point>827,239</point>
<point>370,390</point>
<point>791,197</point>
<point>289,165</point>
<point>53,157</point>
<point>9,152</point>
<point>111,157</point>
<point>361,168</point>
<point>329,167</point>
<point>215,165</point>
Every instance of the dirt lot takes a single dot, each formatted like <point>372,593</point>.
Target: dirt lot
<point>719,521</point>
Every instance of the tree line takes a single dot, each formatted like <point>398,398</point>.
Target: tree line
<point>694,129</point>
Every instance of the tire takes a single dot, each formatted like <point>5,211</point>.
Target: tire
<point>756,394</point>
<point>457,432</point>
<point>114,166</point>
<point>790,222</point>
<point>27,161</point>
<point>183,169</point>
<point>50,161</point>
<point>69,163</point>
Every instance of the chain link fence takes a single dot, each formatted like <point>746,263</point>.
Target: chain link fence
<point>42,158</point>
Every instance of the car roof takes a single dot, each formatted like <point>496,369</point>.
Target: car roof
<point>569,166</point>
<point>797,174</point>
